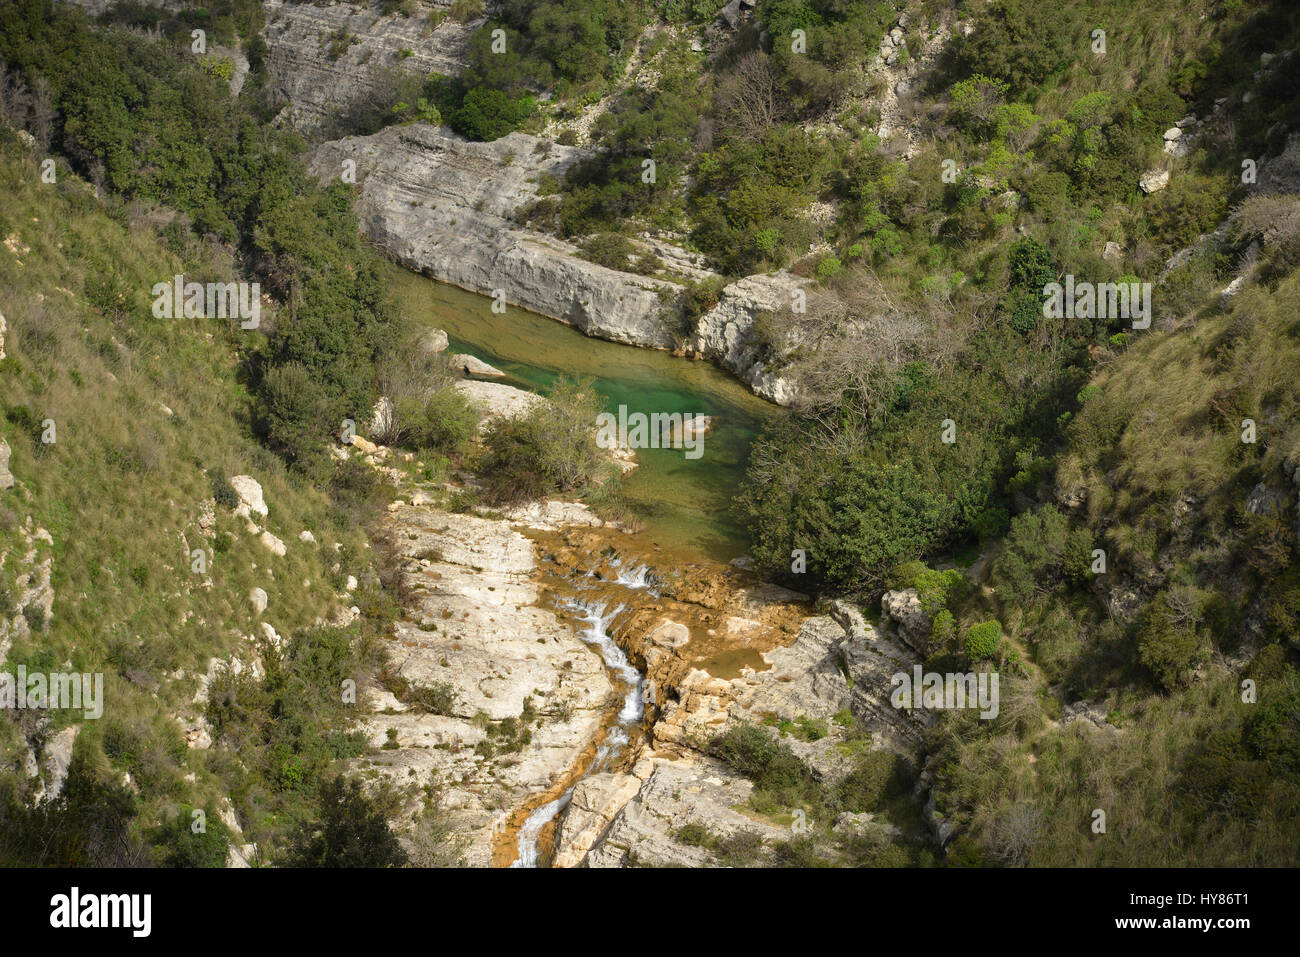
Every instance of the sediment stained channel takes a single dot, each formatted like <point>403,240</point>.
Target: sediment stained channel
<point>595,604</point>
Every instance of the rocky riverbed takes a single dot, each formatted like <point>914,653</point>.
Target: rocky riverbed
<point>495,606</point>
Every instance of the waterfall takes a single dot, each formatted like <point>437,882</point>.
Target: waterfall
<point>596,634</point>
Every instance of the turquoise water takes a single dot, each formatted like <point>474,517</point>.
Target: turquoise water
<point>685,505</point>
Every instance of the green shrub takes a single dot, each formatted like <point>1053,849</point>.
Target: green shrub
<point>487,114</point>
<point>1167,645</point>
<point>350,831</point>
<point>982,640</point>
<point>179,845</point>
<point>550,449</point>
<point>447,422</point>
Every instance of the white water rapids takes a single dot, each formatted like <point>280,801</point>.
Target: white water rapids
<point>596,633</point>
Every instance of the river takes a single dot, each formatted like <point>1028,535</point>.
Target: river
<point>684,505</point>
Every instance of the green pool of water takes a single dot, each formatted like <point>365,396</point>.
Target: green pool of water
<point>686,505</point>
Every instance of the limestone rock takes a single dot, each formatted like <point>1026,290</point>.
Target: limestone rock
<point>271,635</point>
<point>470,365</point>
<point>6,477</point>
<point>1229,291</point>
<point>496,400</point>
<point>725,333</point>
<point>477,622</point>
<point>58,754</point>
<point>364,445</point>
<point>1154,180</point>
<point>434,342</point>
<point>257,598</point>
<point>913,623</point>
<point>273,544</point>
<point>250,495</point>
<point>381,419</point>
<point>596,800</point>
<point>319,75</point>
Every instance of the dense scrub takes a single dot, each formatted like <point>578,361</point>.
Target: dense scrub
<point>159,173</point>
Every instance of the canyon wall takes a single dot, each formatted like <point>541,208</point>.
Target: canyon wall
<point>445,206</point>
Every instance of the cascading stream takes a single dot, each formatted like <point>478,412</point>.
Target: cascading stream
<point>596,633</point>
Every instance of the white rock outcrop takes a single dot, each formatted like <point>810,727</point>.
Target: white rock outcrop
<point>323,59</point>
<point>497,400</point>
<point>445,206</point>
<point>273,544</point>
<point>6,477</point>
<point>1154,180</point>
<point>249,491</point>
<point>472,365</point>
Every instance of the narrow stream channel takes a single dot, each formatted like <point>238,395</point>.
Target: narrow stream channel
<point>596,632</point>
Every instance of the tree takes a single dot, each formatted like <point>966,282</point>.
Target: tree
<point>351,832</point>
<point>749,100</point>
<point>975,103</point>
<point>488,114</point>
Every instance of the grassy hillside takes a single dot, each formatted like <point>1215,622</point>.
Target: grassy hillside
<point>151,420</point>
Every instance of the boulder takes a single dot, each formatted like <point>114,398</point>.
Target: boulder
<point>249,491</point>
<point>470,365</point>
<point>433,342</point>
<point>496,400</point>
<point>257,598</point>
<point>6,477</point>
<point>273,544</point>
<point>904,609</point>
<point>1154,180</point>
<point>270,634</point>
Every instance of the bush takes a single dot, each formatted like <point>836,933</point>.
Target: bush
<point>487,114</point>
<point>178,845</point>
<point>350,832</point>
<point>695,834</point>
<point>876,776</point>
<point>224,493</point>
<point>438,698</point>
<point>1167,645</point>
<point>983,639</point>
<point>447,422</point>
<point>550,449</point>
<point>766,761</point>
